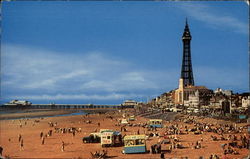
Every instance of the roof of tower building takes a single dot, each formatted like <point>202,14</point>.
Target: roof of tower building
<point>195,87</point>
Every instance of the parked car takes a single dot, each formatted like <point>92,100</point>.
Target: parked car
<point>92,138</point>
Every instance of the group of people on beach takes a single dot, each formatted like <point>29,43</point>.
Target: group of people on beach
<point>42,135</point>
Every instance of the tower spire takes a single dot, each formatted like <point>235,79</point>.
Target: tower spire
<point>186,70</point>
<point>186,30</point>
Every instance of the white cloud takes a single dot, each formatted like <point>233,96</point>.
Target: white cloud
<point>33,68</point>
<point>134,76</point>
<point>46,72</point>
<point>112,96</point>
<point>214,18</point>
<point>52,81</point>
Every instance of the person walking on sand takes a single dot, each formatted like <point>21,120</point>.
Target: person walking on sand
<point>62,148</point>
<point>19,137</point>
<point>1,151</point>
<point>21,145</point>
<point>162,156</point>
<point>41,135</point>
<point>43,140</point>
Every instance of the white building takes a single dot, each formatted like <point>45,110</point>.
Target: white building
<point>129,103</point>
<point>226,92</point>
<point>193,100</point>
<point>246,102</point>
<point>183,93</point>
<point>20,102</point>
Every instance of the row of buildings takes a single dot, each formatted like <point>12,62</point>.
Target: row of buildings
<point>199,96</point>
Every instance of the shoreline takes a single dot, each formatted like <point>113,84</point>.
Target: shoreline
<point>38,113</point>
<point>35,114</point>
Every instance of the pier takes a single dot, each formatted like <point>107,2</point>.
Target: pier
<point>66,106</point>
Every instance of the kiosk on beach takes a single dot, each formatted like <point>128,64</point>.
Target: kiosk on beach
<point>131,118</point>
<point>134,144</point>
<point>156,123</point>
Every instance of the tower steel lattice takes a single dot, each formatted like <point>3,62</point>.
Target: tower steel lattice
<point>186,70</point>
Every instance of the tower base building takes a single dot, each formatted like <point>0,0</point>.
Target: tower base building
<point>191,96</point>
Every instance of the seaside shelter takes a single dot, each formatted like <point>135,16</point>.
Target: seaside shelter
<point>134,144</point>
<point>156,123</point>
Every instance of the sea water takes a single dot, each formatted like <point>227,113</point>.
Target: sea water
<point>71,114</point>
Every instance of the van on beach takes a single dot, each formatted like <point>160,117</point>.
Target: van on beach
<point>110,138</point>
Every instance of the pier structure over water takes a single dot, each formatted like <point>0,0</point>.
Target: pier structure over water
<point>66,106</point>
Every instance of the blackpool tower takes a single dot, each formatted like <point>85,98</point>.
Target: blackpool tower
<point>186,70</point>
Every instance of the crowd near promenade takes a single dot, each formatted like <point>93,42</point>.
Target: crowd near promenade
<point>182,136</point>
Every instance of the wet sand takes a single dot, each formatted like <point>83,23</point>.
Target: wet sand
<point>29,113</point>
<point>33,113</point>
<point>74,148</point>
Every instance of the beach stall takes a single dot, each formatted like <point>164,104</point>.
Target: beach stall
<point>110,138</point>
<point>134,144</point>
<point>156,123</point>
<point>131,118</point>
<point>124,121</point>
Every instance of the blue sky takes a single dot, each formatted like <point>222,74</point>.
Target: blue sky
<point>106,52</point>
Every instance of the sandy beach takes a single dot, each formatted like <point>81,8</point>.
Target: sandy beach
<point>30,130</point>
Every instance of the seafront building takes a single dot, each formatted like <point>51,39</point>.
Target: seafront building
<point>225,92</point>
<point>184,95</point>
<point>129,103</point>
<point>246,102</point>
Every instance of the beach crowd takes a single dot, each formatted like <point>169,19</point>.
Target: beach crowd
<point>183,134</point>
